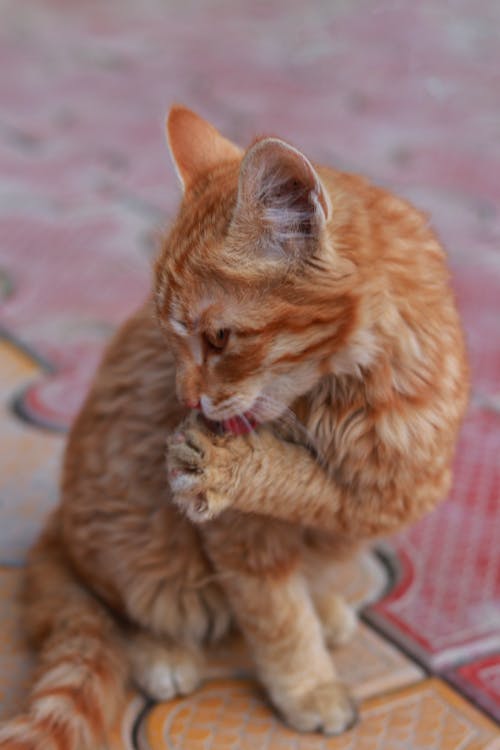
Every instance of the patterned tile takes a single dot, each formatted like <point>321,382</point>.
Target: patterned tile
<point>69,320</point>
<point>29,461</point>
<point>372,666</point>
<point>480,681</point>
<point>446,602</point>
<point>234,715</point>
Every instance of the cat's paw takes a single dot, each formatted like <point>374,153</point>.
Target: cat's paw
<point>162,670</point>
<point>326,708</point>
<point>200,472</point>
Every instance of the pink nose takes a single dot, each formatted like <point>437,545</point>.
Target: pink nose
<point>192,404</point>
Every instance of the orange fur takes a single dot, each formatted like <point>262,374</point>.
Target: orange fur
<point>339,337</point>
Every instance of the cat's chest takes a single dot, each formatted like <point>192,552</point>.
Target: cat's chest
<point>337,434</point>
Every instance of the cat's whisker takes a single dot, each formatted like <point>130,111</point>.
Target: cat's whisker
<point>245,421</point>
<point>289,419</point>
<point>227,409</point>
<point>292,421</point>
<point>262,401</point>
<point>247,424</point>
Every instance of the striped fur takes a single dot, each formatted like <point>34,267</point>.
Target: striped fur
<point>79,683</point>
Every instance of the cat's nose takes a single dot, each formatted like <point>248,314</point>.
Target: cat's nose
<point>192,404</point>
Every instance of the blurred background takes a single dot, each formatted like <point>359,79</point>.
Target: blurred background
<point>405,92</point>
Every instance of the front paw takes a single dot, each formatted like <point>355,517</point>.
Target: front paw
<point>326,708</point>
<point>199,472</point>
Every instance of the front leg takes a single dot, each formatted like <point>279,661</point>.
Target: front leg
<point>258,560</point>
<point>260,473</point>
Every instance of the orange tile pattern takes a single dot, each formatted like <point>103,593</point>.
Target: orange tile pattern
<point>234,716</point>
<point>29,461</point>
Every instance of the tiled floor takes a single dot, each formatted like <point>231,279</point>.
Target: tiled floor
<point>234,716</point>
<point>406,92</point>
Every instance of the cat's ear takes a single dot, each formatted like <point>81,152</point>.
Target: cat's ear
<point>280,185</point>
<point>195,145</point>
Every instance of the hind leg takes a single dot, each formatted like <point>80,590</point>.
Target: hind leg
<point>152,570</point>
<point>161,668</point>
<point>322,554</point>
<point>338,619</point>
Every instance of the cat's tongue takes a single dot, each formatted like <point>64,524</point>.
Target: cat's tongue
<point>239,425</point>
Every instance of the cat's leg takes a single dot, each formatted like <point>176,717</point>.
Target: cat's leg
<point>151,569</point>
<point>259,562</point>
<point>322,554</point>
<point>338,619</point>
<point>162,668</point>
<point>263,474</point>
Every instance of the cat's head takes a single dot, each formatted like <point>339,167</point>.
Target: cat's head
<point>250,291</point>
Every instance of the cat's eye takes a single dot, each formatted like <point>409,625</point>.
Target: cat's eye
<point>217,340</point>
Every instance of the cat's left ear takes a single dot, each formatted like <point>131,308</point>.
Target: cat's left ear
<point>195,145</point>
<point>280,185</point>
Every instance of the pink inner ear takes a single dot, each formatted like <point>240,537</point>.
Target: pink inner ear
<point>281,181</point>
<point>288,205</point>
<point>195,145</point>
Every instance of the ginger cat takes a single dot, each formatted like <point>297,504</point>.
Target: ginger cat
<point>301,365</point>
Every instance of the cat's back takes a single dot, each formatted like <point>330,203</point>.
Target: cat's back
<point>122,424</point>
<point>378,225</point>
<point>403,282</point>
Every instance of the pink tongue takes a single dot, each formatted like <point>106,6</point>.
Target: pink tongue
<point>239,425</point>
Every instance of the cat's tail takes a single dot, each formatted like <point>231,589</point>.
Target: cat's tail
<point>80,682</point>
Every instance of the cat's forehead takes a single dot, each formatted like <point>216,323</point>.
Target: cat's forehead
<point>200,228</point>
<point>191,311</point>
<point>211,307</point>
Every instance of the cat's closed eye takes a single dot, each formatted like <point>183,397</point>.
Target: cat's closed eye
<point>216,341</point>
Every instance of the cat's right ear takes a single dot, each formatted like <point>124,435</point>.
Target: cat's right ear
<point>195,145</point>
<point>281,192</point>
